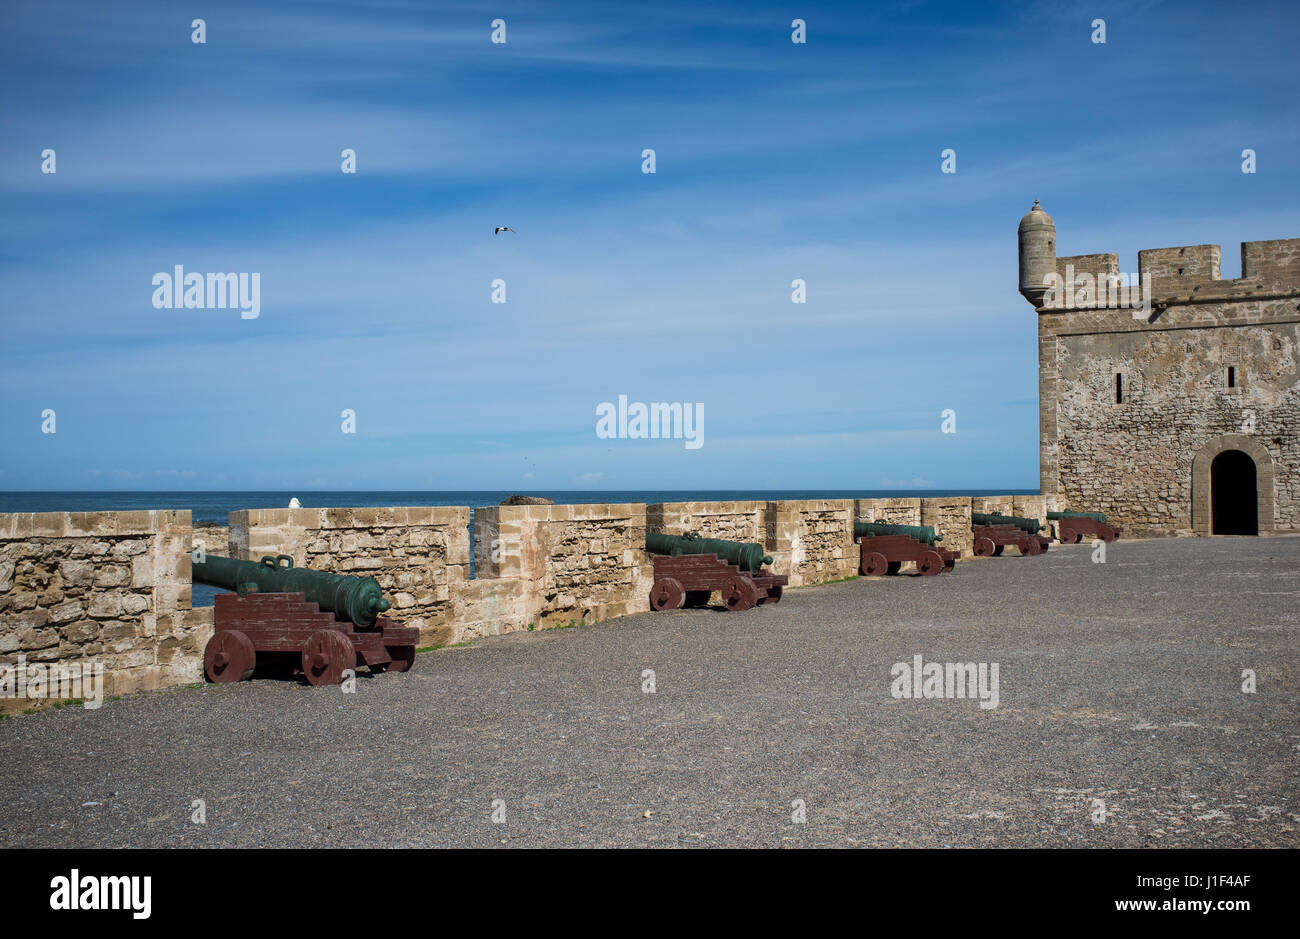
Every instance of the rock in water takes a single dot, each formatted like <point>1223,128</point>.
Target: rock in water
<point>516,499</point>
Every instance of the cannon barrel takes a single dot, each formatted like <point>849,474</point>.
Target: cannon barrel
<point>357,600</point>
<point>1095,516</point>
<point>1030,525</point>
<point>748,556</point>
<point>924,533</point>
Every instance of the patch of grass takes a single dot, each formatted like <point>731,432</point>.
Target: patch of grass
<point>444,645</point>
<point>842,580</point>
<point>570,624</point>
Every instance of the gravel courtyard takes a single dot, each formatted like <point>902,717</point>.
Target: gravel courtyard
<point>1119,682</point>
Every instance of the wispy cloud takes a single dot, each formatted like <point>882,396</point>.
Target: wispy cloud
<point>775,162</point>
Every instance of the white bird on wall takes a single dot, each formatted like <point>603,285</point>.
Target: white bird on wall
<point>502,228</point>
<point>294,503</point>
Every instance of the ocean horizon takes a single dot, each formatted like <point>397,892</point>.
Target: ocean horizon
<point>214,506</point>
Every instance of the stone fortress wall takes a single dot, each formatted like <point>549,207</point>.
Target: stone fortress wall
<point>115,587</point>
<point>111,588</point>
<point>1133,412</point>
<point>1133,409</point>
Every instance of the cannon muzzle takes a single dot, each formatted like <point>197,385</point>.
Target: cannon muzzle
<point>748,556</point>
<point>922,533</point>
<point>357,600</point>
<point>1030,525</point>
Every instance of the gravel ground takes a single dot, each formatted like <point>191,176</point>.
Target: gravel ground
<point>1118,681</point>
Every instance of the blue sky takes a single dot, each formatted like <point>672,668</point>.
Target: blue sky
<point>775,161</point>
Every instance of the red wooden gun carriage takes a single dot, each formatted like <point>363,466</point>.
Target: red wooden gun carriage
<point>328,622</point>
<point>884,548</point>
<point>685,575</point>
<point>1073,527</point>
<point>994,532</point>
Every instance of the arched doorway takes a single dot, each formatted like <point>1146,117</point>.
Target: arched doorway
<point>1208,489</point>
<point>1234,497</point>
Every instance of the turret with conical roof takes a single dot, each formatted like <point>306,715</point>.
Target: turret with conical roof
<point>1037,237</point>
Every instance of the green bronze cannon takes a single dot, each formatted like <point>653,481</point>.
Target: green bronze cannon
<point>691,568</point>
<point>1030,525</point>
<point>884,548</point>
<point>923,533</point>
<point>1073,527</point>
<point>1095,516</point>
<point>994,532</point>
<point>357,600</point>
<point>748,556</point>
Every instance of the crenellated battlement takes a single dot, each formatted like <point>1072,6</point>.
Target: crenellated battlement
<point>1190,272</point>
<point>1273,263</point>
<point>1098,265</point>
<point>1174,270</point>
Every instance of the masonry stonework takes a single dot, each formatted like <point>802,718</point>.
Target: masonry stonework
<point>1134,406</point>
<point>111,588</point>
<point>575,563</point>
<point>811,540</point>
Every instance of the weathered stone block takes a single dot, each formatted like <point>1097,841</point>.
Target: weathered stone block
<point>106,605</point>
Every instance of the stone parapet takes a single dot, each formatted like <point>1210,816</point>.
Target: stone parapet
<point>106,588</point>
<point>115,587</point>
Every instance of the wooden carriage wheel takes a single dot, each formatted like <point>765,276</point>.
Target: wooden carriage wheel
<point>229,656</point>
<point>739,593</point>
<point>325,656</point>
<point>875,564</point>
<point>984,547</point>
<point>666,594</point>
<point>998,549</point>
<point>1033,547</point>
<point>929,563</point>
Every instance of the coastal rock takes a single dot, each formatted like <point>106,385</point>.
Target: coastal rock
<point>516,499</point>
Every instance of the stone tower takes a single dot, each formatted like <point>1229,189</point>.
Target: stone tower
<point>1169,398</point>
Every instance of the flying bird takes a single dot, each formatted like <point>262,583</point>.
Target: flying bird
<point>502,228</point>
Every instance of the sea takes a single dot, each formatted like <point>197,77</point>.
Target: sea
<point>214,507</point>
